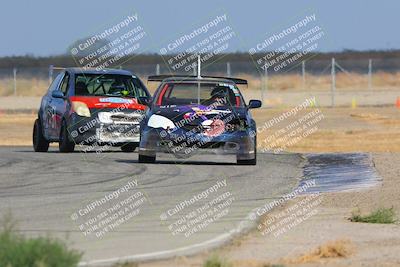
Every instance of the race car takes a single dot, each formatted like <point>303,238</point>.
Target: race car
<point>92,108</point>
<point>193,114</point>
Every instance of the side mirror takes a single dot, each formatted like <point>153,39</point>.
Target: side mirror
<point>57,94</point>
<point>254,104</point>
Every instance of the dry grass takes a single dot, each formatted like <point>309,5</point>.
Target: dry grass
<point>25,87</point>
<point>280,82</point>
<point>16,129</point>
<point>254,263</point>
<point>349,141</point>
<point>342,248</point>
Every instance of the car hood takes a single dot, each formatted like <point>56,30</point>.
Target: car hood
<point>198,113</point>
<point>109,102</point>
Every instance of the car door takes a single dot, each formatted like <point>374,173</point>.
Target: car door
<point>60,104</point>
<point>49,110</point>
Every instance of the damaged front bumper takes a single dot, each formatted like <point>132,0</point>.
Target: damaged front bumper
<point>185,144</point>
<point>118,128</point>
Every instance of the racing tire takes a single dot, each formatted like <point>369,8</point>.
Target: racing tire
<point>40,144</point>
<point>146,159</point>
<point>130,147</point>
<point>249,161</point>
<point>64,144</point>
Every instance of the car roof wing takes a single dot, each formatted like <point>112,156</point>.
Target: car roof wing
<point>160,78</point>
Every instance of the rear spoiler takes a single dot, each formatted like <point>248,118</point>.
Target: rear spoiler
<point>160,78</point>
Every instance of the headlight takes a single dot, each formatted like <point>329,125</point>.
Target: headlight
<point>80,108</point>
<point>105,117</point>
<point>157,121</point>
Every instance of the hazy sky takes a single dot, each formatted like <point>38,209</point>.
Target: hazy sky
<point>45,27</point>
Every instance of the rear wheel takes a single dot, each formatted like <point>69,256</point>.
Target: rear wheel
<point>40,144</point>
<point>64,144</point>
<point>146,159</point>
<point>130,147</point>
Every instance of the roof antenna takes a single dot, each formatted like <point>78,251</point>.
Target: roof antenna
<point>198,67</point>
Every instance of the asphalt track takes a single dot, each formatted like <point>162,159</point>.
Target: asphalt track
<point>46,191</point>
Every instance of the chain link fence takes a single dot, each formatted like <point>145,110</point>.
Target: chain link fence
<point>350,78</point>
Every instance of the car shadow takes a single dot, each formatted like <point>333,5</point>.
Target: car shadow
<point>175,162</point>
<point>75,152</point>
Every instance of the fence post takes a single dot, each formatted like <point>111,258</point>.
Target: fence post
<point>194,69</point>
<point>303,73</point>
<point>370,74</point>
<point>264,84</point>
<point>51,68</point>
<point>15,80</point>
<point>158,69</point>
<point>333,86</point>
<point>228,69</point>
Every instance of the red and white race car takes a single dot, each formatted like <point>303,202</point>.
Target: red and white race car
<point>92,108</point>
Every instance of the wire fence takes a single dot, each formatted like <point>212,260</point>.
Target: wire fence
<point>314,75</point>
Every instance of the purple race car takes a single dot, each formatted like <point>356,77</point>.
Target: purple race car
<point>191,114</point>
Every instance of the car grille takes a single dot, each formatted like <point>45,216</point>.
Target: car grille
<point>126,118</point>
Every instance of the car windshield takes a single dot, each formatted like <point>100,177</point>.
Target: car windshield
<point>189,93</point>
<point>109,85</point>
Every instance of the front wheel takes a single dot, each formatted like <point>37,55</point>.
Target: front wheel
<point>64,144</point>
<point>249,161</point>
<point>40,144</point>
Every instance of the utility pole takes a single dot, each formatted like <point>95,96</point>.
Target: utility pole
<point>198,77</point>
<point>333,87</point>
<point>370,74</point>
<point>198,67</point>
<point>228,69</point>
<point>51,68</point>
<point>158,69</point>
